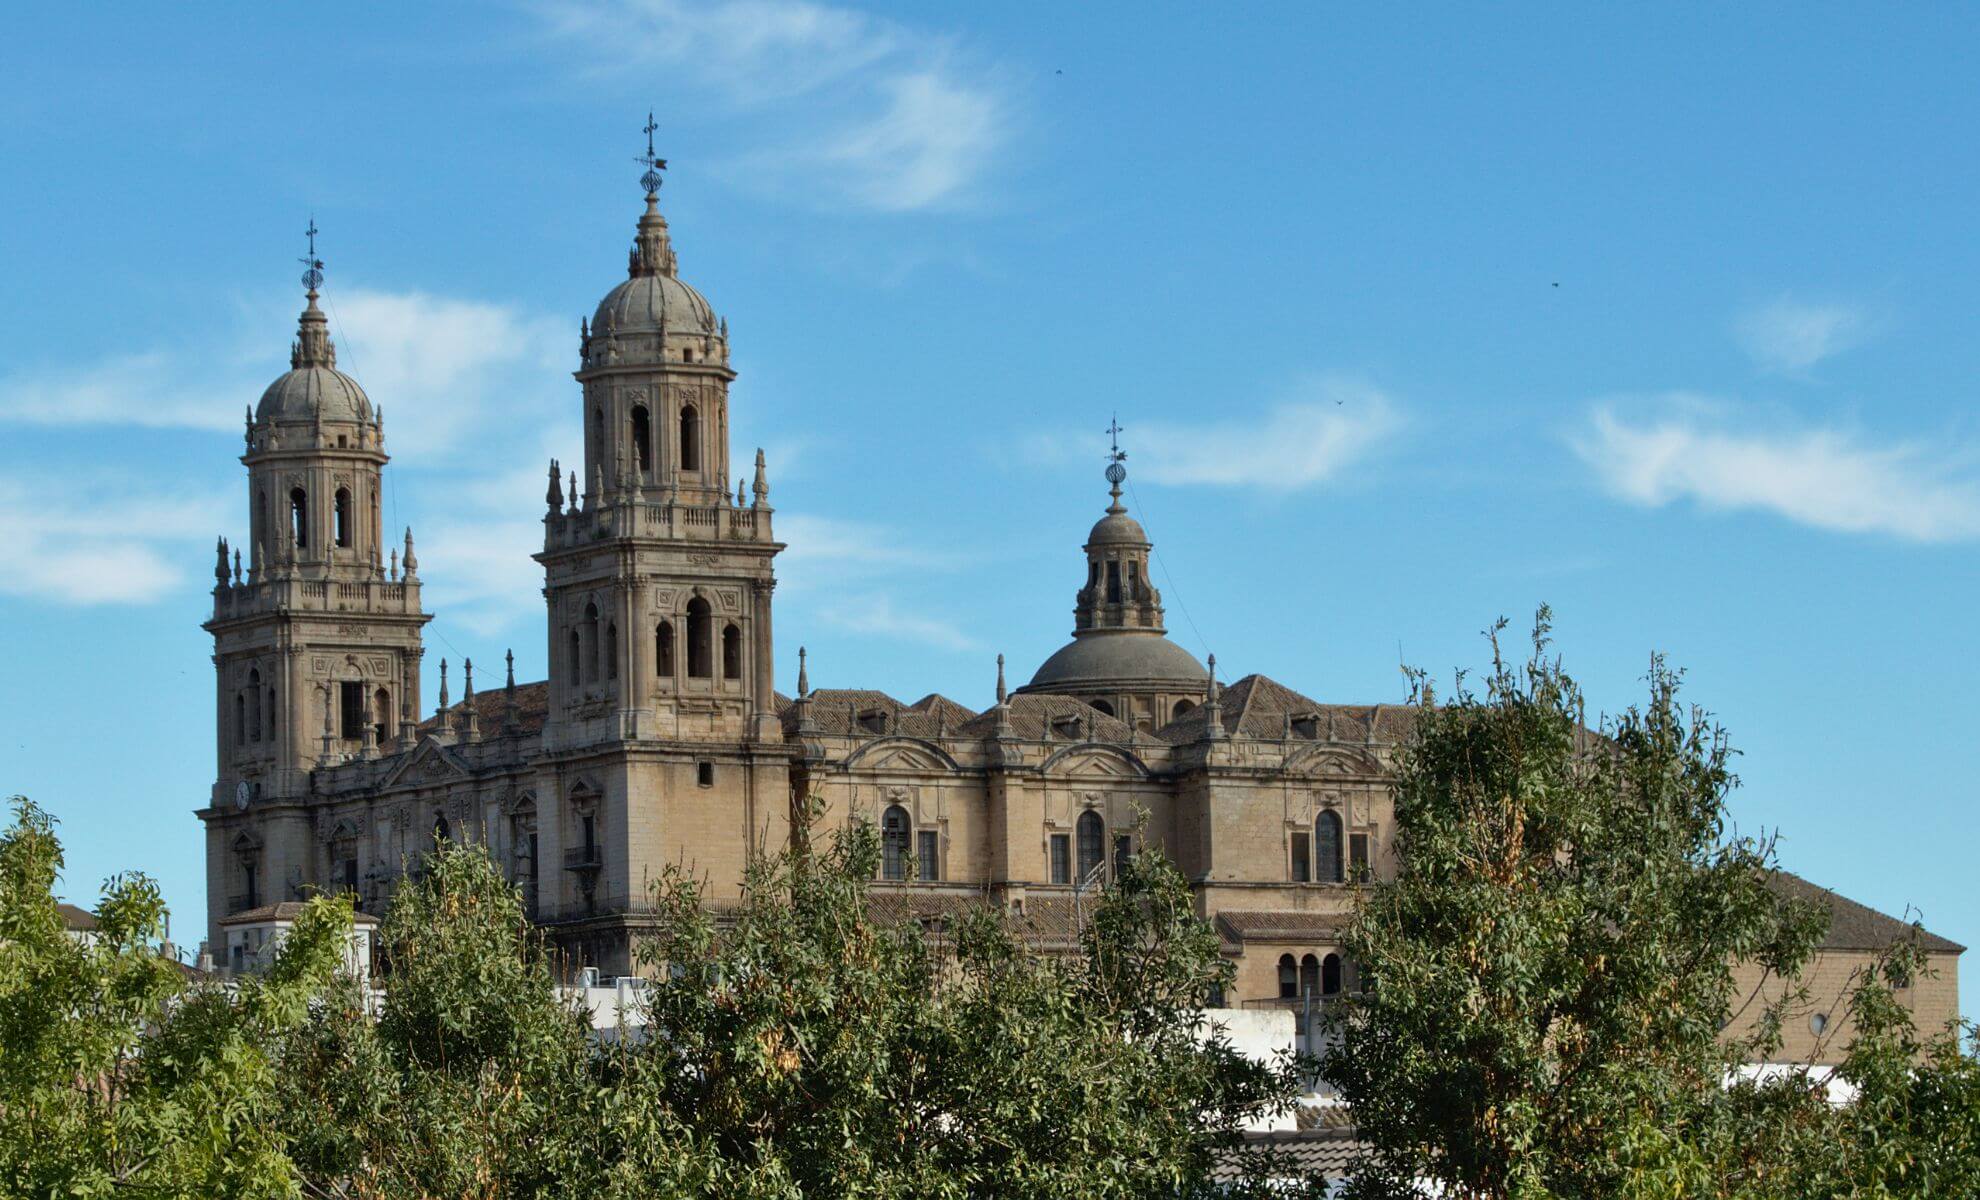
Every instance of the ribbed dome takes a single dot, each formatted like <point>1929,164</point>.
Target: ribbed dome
<point>1120,657</point>
<point>653,304</point>
<point>311,393</point>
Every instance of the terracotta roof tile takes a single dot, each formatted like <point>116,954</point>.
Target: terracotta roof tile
<point>1854,926</point>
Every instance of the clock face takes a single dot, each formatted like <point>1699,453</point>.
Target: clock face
<point>241,794</point>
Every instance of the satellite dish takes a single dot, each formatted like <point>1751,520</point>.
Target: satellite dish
<point>241,793</point>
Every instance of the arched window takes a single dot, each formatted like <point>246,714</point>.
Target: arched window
<point>1102,706</point>
<point>699,628</point>
<point>1330,976</point>
<point>894,843</point>
<point>299,517</point>
<point>1309,975</point>
<point>577,658</point>
<point>690,439</point>
<point>642,439</point>
<point>1288,977</point>
<point>441,832</point>
<point>731,652</point>
<point>1113,583</point>
<point>340,514</point>
<point>1182,706</point>
<point>381,713</point>
<point>590,643</point>
<point>1092,847</point>
<point>663,649</point>
<point>611,650</point>
<point>1327,847</point>
<point>254,706</point>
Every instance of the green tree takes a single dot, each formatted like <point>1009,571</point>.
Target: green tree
<point>1554,962</point>
<point>115,1077</point>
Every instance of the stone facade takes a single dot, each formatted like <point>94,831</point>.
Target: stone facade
<point>658,739</point>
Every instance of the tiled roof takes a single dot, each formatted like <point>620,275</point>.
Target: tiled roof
<point>1328,1152</point>
<point>1854,926</point>
<point>1037,718</point>
<point>864,711</point>
<point>491,710</point>
<point>76,920</point>
<point>1045,918</point>
<point>1259,707</point>
<point>1245,924</point>
<point>287,910</point>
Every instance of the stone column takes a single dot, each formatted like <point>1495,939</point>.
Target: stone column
<point>764,722</point>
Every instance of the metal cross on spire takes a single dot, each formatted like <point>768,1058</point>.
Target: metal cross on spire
<point>1116,459</point>
<point>312,276</point>
<point>1114,431</point>
<point>654,164</point>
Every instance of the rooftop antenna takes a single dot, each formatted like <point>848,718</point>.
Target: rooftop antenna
<point>312,276</point>
<point>654,164</point>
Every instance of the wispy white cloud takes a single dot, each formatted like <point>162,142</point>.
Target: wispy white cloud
<point>103,543</point>
<point>1323,426</point>
<point>873,114</point>
<point>1788,334</point>
<point>878,614</point>
<point>445,369</point>
<point>1825,478</point>
<point>847,575</point>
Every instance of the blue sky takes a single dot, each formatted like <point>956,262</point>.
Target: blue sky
<point>1663,317</point>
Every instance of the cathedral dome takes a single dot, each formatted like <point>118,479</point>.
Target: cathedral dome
<point>1117,528</point>
<point>314,389</point>
<point>1122,658</point>
<point>314,393</point>
<point>654,303</point>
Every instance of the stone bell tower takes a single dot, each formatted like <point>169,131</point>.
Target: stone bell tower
<point>658,579</point>
<point>316,638</point>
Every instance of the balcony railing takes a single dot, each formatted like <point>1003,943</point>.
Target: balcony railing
<point>583,858</point>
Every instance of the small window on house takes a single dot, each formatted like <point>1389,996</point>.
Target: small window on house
<point>1069,726</point>
<point>1309,975</point>
<point>1123,850</point>
<point>642,439</point>
<point>1288,977</point>
<point>1330,975</point>
<point>1327,847</point>
<point>927,856</point>
<point>663,649</point>
<point>1102,706</point>
<point>299,517</point>
<point>1092,574</point>
<point>1182,707</point>
<point>704,774</point>
<point>1092,841</point>
<point>1061,846</point>
<point>894,843</point>
<point>1358,871</point>
<point>1306,725</point>
<point>731,652</point>
<point>699,629</point>
<point>381,713</point>
<point>1134,580</point>
<point>873,720</point>
<point>340,515</point>
<point>1302,865</point>
<point>1113,583</point>
<point>690,439</point>
<point>350,703</point>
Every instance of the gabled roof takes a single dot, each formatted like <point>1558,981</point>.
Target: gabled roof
<point>1258,707</point>
<point>846,711</point>
<point>491,710</point>
<point>287,910</point>
<point>1854,926</point>
<point>75,919</point>
<point>1038,718</point>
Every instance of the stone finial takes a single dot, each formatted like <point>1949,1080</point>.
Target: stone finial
<point>761,488</point>
<point>470,715</point>
<point>440,713</point>
<point>1213,709</point>
<point>220,565</point>
<point>596,496</point>
<point>804,681</point>
<point>467,681</point>
<point>574,494</point>
<point>739,493</point>
<point>410,563</point>
<point>1003,694</point>
<point>511,711</point>
<point>259,555</point>
<point>237,568</point>
<point>554,497</point>
<point>393,573</point>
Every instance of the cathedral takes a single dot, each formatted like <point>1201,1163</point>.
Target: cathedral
<point>659,738</point>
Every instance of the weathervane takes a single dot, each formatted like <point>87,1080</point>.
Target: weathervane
<point>1116,457</point>
<point>654,164</point>
<point>312,276</point>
